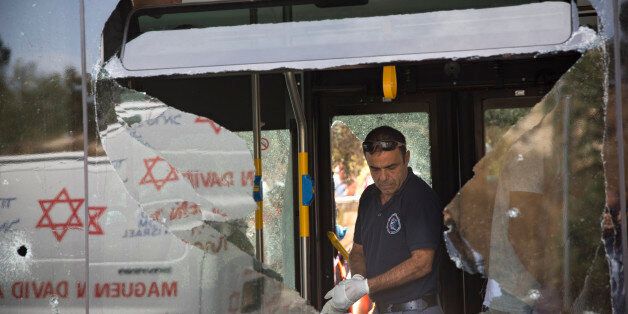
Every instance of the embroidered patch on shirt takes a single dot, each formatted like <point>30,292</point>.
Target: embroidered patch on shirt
<point>394,224</point>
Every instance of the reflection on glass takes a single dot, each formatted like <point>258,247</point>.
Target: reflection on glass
<point>174,158</point>
<point>529,219</point>
<point>42,200</point>
<point>182,195</point>
<point>498,121</point>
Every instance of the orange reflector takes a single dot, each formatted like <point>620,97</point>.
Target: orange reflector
<point>389,82</point>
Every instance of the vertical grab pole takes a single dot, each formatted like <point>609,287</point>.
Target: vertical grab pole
<point>305,183</point>
<point>258,195</point>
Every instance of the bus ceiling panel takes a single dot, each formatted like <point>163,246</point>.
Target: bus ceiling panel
<point>529,28</point>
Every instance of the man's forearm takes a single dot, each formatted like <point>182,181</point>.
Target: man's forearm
<point>411,269</point>
<point>357,263</point>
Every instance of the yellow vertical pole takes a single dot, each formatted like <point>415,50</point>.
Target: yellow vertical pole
<point>305,192</point>
<point>304,210</point>
<point>258,193</point>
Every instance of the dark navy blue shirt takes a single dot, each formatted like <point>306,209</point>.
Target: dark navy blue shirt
<point>412,219</point>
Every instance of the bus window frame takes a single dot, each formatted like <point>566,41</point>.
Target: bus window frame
<point>206,6</point>
<point>502,99</point>
<point>231,5</point>
<point>421,102</point>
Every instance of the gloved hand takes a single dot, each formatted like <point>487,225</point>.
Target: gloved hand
<point>347,292</point>
<point>329,308</point>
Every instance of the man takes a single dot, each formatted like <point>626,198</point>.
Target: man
<point>397,235</point>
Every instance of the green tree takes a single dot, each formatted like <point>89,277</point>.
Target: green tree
<point>346,150</point>
<point>41,112</point>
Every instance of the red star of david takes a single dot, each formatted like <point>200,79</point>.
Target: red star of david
<point>59,229</point>
<point>73,222</point>
<point>94,213</point>
<point>150,178</point>
<point>217,128</point>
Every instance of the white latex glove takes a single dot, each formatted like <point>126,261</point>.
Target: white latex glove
<point>329,308</point>
<point>348,292</point>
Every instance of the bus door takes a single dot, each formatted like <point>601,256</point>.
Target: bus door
<point>447,132</point>
<point>345,120</point>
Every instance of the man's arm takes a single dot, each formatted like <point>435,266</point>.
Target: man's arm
<point>356,260</point>
<point>415,267</point>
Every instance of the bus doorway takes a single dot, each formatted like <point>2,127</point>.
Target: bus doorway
<point>448,129</point>
<point>419,118</point>
<point>351,173</point>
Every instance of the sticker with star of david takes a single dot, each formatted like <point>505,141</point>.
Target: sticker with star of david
<point>394,224</point>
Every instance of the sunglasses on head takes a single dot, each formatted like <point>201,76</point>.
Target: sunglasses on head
<point>370,147</point>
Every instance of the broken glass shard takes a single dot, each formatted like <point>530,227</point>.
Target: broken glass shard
<point>529,218</point>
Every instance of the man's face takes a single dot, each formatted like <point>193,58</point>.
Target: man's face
<point>388,169</point>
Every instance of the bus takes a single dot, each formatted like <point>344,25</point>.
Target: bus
<point>205,156</point>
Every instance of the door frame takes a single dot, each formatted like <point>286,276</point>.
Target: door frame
<point>328,105</point>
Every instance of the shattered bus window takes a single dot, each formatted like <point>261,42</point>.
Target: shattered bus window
<point>42,196</point>
<point>278,214</point>
<point>415,126</point>
<point>173,157</point>
<point>612,219</point>
<point>184,184</point>
<point>529,220</point>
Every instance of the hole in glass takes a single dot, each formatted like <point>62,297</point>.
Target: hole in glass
<point>22,250</point>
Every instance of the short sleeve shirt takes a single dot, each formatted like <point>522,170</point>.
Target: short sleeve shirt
<point>412,219</point>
